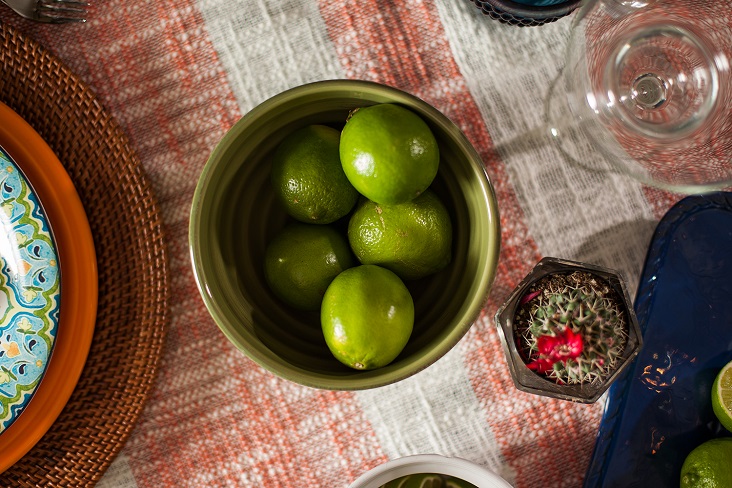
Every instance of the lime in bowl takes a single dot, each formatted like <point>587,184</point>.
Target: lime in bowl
<point>236,214</point>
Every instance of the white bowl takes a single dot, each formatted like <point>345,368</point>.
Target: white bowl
<point>430,463</point>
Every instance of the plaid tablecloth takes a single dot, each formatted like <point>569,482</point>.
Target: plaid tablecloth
<point>178,73</point>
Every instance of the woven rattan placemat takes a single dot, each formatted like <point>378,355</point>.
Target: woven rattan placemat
<point>133,310</point>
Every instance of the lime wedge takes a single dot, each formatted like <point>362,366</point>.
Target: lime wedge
<point>722,396</point>
<point>458,483</point>
<point>425,480</point>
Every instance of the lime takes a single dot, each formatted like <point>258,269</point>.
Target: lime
<point>709,465</point>
<point>367,317</point>
<point>308,178</point>
<point>388,153</point>
<point>413,239</point>
<point>302,260</point>
<point>722,397</point>
<point>421,480</point>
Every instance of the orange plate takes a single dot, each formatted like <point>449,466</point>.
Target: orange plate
<point>79,286</point>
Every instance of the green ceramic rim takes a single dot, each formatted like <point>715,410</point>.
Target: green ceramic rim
<point>234,187</point>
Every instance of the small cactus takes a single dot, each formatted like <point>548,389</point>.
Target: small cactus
<point>577,328</point>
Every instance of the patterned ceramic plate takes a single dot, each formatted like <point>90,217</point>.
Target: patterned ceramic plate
<point>30,291</point>
<point>30,282</point>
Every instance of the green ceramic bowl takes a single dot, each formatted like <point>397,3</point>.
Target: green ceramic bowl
<point>235,215</point>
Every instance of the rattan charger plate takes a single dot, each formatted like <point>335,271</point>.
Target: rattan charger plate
<point>133,308</point>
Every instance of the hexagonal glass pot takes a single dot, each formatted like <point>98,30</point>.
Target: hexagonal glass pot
<point>529,381</point>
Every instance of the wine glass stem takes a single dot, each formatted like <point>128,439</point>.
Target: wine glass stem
<point>649,91</point>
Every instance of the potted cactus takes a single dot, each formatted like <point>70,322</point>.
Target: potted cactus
<point>568,330</point>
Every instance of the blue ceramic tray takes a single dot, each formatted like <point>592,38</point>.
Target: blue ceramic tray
<point>661,408</point>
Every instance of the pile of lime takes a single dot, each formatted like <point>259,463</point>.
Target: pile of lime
<point>709,465</point>
<point>428,480</point>
<point>366,220</point>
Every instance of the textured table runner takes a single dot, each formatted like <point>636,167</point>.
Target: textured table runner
<point>178,74</point>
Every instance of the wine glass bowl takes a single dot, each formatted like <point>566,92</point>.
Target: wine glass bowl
<point>645,91</point>
<point>663,73</point>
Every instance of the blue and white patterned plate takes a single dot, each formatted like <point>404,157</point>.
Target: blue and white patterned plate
<point>30,291</point>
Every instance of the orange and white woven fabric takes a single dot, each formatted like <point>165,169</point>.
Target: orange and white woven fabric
<point>177,74</point>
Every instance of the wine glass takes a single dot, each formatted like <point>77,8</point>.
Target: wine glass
<point>647,91</point>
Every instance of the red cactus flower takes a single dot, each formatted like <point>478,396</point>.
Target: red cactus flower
<point>541,365</point>
<point>561,347</point>
<point>529,296</point>
<point>552,349</point>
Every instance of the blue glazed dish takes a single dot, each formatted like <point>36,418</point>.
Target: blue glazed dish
<point>30,291</point>
<point>661,408</point>
<point>539,3</point>
<point>526,13</point>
